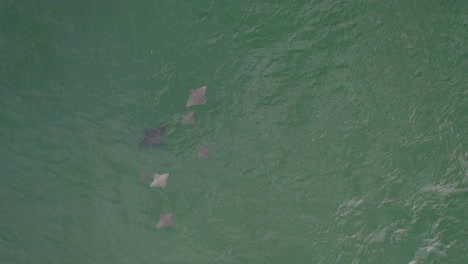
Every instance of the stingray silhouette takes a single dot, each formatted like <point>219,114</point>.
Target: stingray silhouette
<point>165,220</point>
<point>152,137</point>
<point>197,97</point>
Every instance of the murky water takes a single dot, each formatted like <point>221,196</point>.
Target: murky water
<point>337,131</point>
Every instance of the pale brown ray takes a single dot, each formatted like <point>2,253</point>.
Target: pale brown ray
<point>165,220</point>
<point>203,152</point>
<point>188,118</point>
<point>197,97</point>
<point>160,180</point>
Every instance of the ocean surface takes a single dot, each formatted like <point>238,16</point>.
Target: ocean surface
<point>337,130</point>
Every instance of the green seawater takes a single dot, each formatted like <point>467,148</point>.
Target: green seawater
<point>338,131</point>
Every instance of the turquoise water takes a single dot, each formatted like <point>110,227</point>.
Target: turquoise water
<point>338,131</point>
